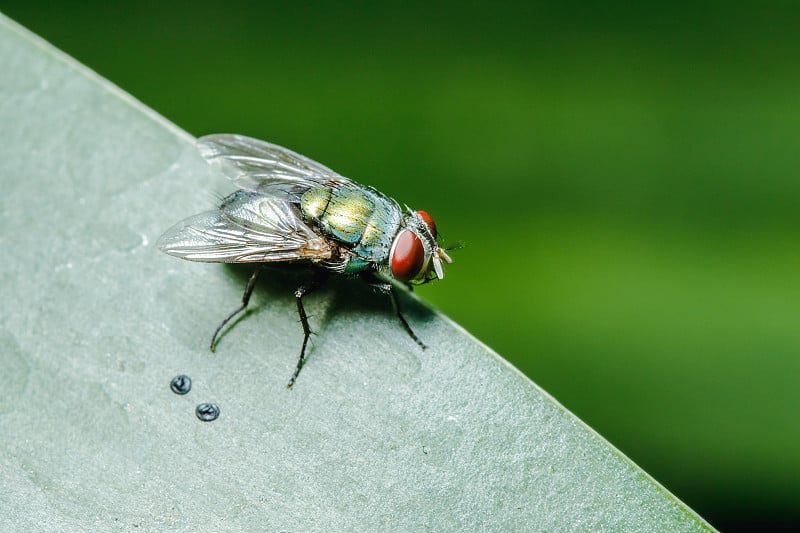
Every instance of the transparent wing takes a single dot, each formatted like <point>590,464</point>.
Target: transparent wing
<point>251,228</point>
<point>264,167</point>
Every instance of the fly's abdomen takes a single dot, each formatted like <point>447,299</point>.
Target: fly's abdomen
<point>359,217</point>
<point>342,213</point>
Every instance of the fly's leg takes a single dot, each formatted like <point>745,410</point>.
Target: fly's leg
<point>388,288</point>
<point>245,300</point>
<point>303,290</point>
<point>396,305</point>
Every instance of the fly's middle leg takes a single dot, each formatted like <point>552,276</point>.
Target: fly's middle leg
<point>245,300</point>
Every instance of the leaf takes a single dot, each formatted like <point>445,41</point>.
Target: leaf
<point>377,434</point>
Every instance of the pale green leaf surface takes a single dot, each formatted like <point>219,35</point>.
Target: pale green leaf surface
<point>95,321</point>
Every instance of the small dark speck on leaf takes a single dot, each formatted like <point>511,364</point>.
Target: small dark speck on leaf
<point>181,384</point>
<point>424,450</point>
<point>207,412</point>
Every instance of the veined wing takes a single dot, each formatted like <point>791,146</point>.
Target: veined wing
<point>264,167</point>
<point>248,228</point>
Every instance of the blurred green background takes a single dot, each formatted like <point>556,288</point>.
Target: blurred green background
<point>625,179</point>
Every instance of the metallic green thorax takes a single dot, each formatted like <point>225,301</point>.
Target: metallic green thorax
<point>360,218</point>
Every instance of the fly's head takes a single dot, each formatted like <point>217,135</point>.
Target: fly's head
<point>415,256</point>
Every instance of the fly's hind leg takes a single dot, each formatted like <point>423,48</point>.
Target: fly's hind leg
<point>245,300</point>
<point>303,290</point>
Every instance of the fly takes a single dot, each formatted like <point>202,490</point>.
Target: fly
<point>290,209</point>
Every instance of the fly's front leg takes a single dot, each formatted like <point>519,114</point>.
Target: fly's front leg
<point>245,300</point>
<point>396,305</point>
<point>303,290</point>
<point>388,288</point>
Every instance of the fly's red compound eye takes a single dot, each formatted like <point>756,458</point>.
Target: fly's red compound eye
<point>408,256</point>
<point>429,221</point>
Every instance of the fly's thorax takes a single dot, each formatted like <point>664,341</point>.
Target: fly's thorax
<point>361,218</point>
<point>356,265</point>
